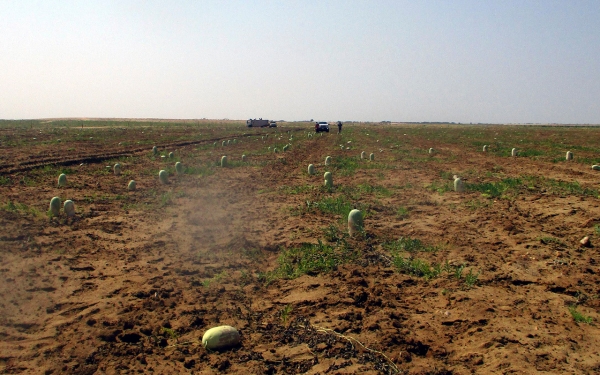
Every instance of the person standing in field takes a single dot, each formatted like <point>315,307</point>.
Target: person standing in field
<point>339,127</point>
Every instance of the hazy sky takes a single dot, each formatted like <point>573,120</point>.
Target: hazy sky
<point>463,61</point>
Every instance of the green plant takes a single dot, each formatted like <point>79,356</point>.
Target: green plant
<point>205,170</point>
<point>458,271</point>
<point>300,189</point>
<point>374,189</point>
<point>284,314</point>
<point>170,332</point>
<point>530,153</point>
<point>471,278</point>
<point>440,187</point>
<point>402,212</point>
<point>166,199</point>
<point>339,205</point>
<point>12,206</point>
<point>309,259</point>
<point>475,204</point>
<point>346,165</point>
<point>579,317</point>
<point>254,254</point>
<point>216,278</point>
<point>333,234</point>
<point>416,267</point>
<point>410,245</point>
<point>561,187</point>
<point>496,189</point>
<point>551,240</point>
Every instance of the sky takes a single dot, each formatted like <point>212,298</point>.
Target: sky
<point>457,61</point>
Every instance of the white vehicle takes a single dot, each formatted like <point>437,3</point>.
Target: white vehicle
<point>321,126</point>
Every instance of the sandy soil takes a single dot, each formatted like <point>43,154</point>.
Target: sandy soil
<point>134,280</point>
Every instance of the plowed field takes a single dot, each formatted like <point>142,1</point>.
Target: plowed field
<point>490,280</point>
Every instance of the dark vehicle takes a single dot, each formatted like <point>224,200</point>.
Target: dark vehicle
<point>321,126</point>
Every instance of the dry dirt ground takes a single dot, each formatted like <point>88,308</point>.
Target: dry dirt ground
<point>486,281</point>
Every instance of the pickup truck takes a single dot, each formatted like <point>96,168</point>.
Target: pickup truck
<point>321,126</point>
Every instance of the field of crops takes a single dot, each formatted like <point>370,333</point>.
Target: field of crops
<point>493,279</point>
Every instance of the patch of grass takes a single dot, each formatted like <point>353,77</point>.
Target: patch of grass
<point>447,175</point>
<point>356,192</point>
<point>421,268</point>
<point>529,153</point>
<point>102,171</point>
<point>402,212</point>
<point>508,186</point>
<point>310,259</point>
<point>374,189</point>
<point>333,234</point>
<point>346,166</point>
<point>5,181</point>
<point>410,245</point>
<point>12,206</point>
<point>441,187</point>
<point>416,267</point>
<point>578,316</point>
<point>166,199</point>
<point>339,205</point>
<point>495,189</point>
<point>301,189</point>
<point>561,187</point>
